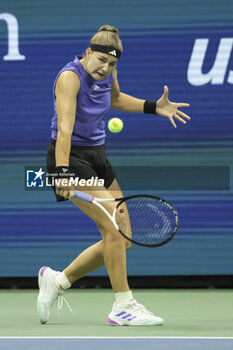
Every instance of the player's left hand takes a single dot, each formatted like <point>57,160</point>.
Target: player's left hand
<point>170,110</point>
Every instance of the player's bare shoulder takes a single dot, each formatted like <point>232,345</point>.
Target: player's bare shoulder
<point>68,81</point>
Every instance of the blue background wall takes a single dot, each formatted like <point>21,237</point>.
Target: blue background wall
<point>158,39</point>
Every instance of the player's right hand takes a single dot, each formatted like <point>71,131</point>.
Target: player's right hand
<point>63,189</point>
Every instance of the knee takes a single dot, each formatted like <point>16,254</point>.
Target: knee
<point>110,234</point>
<point>114,236</point>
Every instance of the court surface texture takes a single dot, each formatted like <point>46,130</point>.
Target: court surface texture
<point>194,319</point>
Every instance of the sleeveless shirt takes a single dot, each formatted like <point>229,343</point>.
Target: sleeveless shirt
<point>93,104</point>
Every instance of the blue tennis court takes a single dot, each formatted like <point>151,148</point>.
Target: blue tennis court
<point>116,343</point>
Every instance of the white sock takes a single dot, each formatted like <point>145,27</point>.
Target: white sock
<point>123,298</point>
<point>62,281</point>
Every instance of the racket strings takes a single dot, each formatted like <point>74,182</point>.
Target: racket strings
<point>152,221</point>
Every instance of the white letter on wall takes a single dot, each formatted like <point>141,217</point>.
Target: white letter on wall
<point>217,74</point>
<point>13,38</point>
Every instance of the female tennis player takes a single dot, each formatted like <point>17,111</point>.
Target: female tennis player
<point>84,92</point>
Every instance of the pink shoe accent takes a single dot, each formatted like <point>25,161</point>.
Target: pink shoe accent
<point>43,270</point>
<point>112,322</point>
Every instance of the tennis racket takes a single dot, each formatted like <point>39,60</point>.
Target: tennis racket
<point>154,221</point>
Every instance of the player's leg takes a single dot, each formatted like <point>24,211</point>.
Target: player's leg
<point>111,252</point>
<point>87,163</point>
<point>113,246</point>
<point>81,160</point>
<point>93,257</point>
<point>126,310</point>
<point>89,260</point>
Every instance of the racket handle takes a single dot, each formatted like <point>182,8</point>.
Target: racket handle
<point>83,196</point>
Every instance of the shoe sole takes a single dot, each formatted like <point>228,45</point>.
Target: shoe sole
<point>40,274</point>
<point>114,323</point>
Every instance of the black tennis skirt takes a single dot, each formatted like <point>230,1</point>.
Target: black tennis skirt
<point>85,162</point>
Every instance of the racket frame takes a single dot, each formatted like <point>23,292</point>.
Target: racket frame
<point>97,201</point>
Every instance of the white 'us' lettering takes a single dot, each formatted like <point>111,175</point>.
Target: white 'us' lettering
<point>217,73</point>
<point>13,38</point>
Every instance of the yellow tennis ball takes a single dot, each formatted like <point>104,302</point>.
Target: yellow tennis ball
<point>115,125</point>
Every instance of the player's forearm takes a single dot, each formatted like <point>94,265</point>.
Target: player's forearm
<point>62,151</point>
<point>128,103</point>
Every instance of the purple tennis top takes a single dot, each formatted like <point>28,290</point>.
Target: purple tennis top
<point>93,104</point>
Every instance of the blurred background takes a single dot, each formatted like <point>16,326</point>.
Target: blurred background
<point>186,45</point>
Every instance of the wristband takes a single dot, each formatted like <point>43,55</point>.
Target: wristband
<point>150,107</point>
<point>63,172</point>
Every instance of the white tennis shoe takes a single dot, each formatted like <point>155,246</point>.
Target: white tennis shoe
<point>48,293</point>
<point>133,314</point>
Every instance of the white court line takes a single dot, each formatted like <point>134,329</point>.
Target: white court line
<point>100,337</point>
